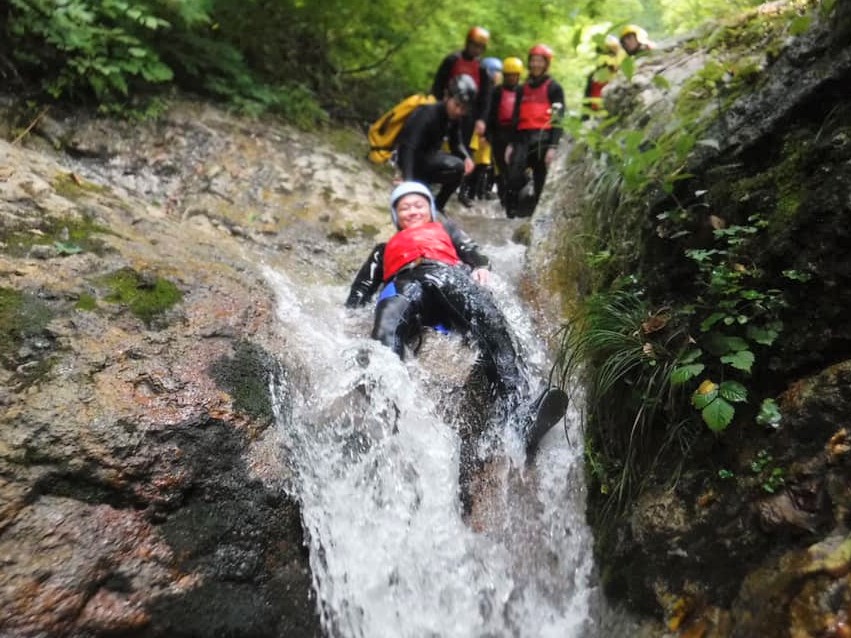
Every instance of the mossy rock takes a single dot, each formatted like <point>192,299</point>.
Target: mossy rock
<point>245,376</point>
<point>25,343</point>
<point>68,235</point>
<point>146,295</point>
<point>71,186</point>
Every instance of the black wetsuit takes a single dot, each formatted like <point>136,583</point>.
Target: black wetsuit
<point>433,292</point>
<point>530,146</point>
<point>419,155</point>
<point>499,135</point>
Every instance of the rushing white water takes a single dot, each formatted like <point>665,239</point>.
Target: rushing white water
<point>378,479</point>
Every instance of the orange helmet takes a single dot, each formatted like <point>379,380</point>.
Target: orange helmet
<point>479,35</point>
<point>543,50</point>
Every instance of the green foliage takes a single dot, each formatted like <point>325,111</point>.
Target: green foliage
<point>769,413</point>
<point>771,477</point>
<point>100,47</point>
<point>625,351</point>
<point>147,296</point>
<point>736,314</point>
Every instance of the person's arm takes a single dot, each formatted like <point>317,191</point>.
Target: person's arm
<point>368,279</point>
<point>457,144</point>
<point>441,78</point>
<point>556,96</point>
<point>493,111</point>
<point>483,99</point>
<point>515,135</point>
<point>411,138</point>
<point>468,250</point>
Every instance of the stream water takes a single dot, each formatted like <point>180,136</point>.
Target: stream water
<point>376,453</point>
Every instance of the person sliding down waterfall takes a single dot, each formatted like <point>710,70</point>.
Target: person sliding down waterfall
<point>433,272</point>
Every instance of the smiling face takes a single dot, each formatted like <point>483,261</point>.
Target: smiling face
<point>413,210</point>
<point>537,65</point>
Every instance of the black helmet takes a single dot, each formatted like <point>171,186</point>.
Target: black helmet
<point>463,88</point>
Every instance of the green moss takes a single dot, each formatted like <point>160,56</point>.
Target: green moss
<point>346,140</point>
<point>147,296</point>
<point>245,376</point>
<point>11,302</point>
<point>86,302</point>
<point>71,186</point>
<point>23,318</point>
<point>69,235</point>
<point>700,90</point>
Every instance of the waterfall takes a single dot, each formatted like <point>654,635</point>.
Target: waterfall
<point>376,454</point>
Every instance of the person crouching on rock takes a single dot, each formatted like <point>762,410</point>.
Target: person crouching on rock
<point>419,153</point>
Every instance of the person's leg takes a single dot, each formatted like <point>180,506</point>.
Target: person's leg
<point>539,169</point>
<point>500,141</point>
<point>444,169</point>
<point>473,309</point>
<point>516,176</point>
<point>397,317</point>
<point>467,186</point>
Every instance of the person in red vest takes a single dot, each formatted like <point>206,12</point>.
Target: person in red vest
<point>608,61</point>
<point>501,118</point>
<point>433,272</point>
<point>467,61</point>
<point>536,133</point>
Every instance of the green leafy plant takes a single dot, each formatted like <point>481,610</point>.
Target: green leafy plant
<point>742,315</point>
<point>625,351</point>
<point>771,476</point>
<point>97,46</point>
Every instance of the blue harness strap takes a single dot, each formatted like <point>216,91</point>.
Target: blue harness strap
<point>389,290</point>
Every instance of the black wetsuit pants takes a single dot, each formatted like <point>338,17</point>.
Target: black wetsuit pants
<point>529,152</point>
<point>441,168</point>
<point>432,293</point>
<point>499,142</point>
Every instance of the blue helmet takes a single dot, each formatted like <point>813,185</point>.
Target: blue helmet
<point>408,188</point>
<point>492,65</point>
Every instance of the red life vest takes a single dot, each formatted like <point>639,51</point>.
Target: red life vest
<point>428,241</point>
<point>507,100</point>
<point>535,108</point>
<point>462,65</point>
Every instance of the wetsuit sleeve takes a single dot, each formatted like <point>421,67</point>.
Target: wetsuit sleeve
<point>456,140</point>
<point>556,96</point>
<point>493,111</point>
<point>468,250</point>
<point>515,135</point>
<point>411,138</point>
<point>483,99</point>
<point>368,279</point>
<point>441,78</point>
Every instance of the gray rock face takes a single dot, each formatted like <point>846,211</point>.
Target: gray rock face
<point>141,491</point>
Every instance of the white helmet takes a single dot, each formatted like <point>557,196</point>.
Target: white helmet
<point>408,188</point>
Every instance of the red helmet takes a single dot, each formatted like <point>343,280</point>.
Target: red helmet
<point>543,50</point>
<point>478,35</point>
